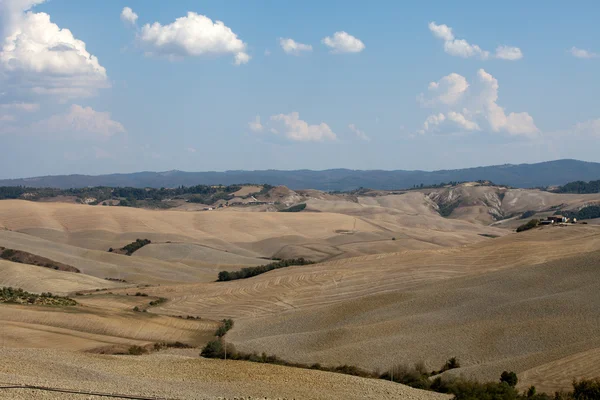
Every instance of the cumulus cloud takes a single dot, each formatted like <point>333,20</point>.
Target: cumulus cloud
<point>462,48</point>
<point>192,35</point>
<point>81,122</point>
<point>342,42</point>
<point>256,126</point>
<point>293,128</point>
<point>191,150</point>
<point>462,121</point>
<point>128,16</point>
<point>448,90</point>
<point>468,110</point>
<point>290,46</point>
<point>359,134</point>
<point>38,57</point>
<point>582,53</point>
<point>298,130</point>
<point>509,53</point>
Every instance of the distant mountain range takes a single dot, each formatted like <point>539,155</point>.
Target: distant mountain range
<point>521,176</point>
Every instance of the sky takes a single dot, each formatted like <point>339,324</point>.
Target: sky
<point>105,86</point>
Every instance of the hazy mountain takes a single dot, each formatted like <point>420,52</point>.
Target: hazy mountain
<point>523,176</point>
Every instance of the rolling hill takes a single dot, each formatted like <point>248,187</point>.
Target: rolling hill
<point>521,176</point>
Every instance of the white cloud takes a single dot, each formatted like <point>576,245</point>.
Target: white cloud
<point>127,15</point>
<point>509,53</point>
<point>80,121</point>
<point>468,110</point>
<point>290,46</point>
<point>192,35</point>
<point>267,52</point>
<point>432,122</point>
<point>36,56</point>
<point>513,123</point>
<point>456,47</point>
<point>448,90</point>
<point>359,134</point>
<point>462,48</point>
<point>256,126</point>
<point>582,53</point>
<point>460,120</point>
<point>298,130</point>
<point>25,107</point>
<point>191,150</point>
<point>342,42</point>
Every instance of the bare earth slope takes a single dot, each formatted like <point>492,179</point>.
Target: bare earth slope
<point>443,287</point>
<point>340,229</point>
<point>514,302</point>
<point>183,377</point>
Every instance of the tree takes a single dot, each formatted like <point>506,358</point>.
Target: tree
<point>509,378</point>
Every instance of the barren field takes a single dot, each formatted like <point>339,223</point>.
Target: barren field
<point>188,377</point>
<point>396,283</point>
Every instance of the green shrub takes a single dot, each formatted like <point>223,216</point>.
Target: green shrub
<point>137,351</point>
<point>135,246</point>
<point>530,225</point>
<point>226,325</point>
<point>509,378</point>
<point>586,389</point>
<point>295,208</point>
<point>249,272</point>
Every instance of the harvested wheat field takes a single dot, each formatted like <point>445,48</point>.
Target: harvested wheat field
<point>397,283</point>
<point>247,234</point>
<point>176,376</point>
<point>508,303</point>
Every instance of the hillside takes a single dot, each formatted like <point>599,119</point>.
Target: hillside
<point>521,176</point>
<point>515,303</point>
<point>401,277</point>
<point>183,375</point>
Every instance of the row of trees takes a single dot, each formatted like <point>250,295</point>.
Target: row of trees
<point>249,272</point>
<point>103,193</point>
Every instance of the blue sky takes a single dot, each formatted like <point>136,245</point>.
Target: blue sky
<point>401,85</point>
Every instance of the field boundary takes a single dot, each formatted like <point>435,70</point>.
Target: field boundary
<point>7,386</point>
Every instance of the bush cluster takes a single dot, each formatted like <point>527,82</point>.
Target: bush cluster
<point>295,208</point>
<point>135,246</point>
<point>19,296</point>
<point>588,212</point>
<point>226,325</point>
<point>249,272</point>
<point>530,225</point>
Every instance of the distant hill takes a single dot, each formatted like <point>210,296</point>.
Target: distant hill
<point>548,173</point>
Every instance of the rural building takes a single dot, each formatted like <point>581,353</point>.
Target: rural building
<point>556,219</point>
